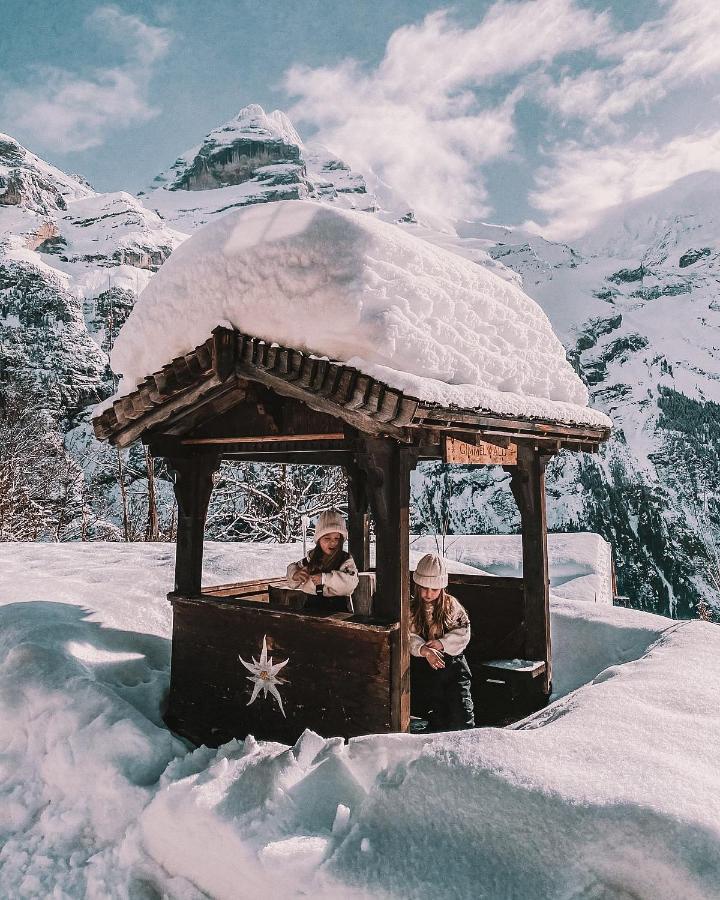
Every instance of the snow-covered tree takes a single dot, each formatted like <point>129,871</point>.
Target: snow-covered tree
<point>266,502</point>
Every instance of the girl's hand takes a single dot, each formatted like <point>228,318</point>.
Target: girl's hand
<point>434,658</point>
<point>435,645</point>
<point>301,575</point>
<point>316,579</point>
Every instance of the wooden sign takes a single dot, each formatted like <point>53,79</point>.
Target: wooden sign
<point>480,454</point>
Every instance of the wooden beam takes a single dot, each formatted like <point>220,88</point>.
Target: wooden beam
<point>163,412</point>
<point>295,390</point>
<point>451,419</point>
<point>358,518</point>
<point>387,466</point>
<point>193,487</point>
<point>230,394</point>
<point>527,481</point>
<point>266,439</point>
<point>309,457</point>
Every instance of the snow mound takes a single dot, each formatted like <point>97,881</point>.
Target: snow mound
<point>342,284</point>
<point>610,792</point>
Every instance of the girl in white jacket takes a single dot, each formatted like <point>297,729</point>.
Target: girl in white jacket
<point>439,633</point>
<point>327,572</point>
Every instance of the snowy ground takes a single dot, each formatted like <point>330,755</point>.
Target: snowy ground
<point>580,564</point>
<point>612,791</point>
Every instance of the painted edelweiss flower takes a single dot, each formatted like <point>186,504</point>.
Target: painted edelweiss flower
<point>264,675</point>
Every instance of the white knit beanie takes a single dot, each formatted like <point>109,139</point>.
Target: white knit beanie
<point>431,572</point>
<point>329,521</point>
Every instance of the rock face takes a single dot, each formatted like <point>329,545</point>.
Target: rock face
<point>45,345</point>
<point>71,264</point>
<point>253,145</point>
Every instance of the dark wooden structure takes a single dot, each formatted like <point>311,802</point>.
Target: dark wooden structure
<point>239,397</point>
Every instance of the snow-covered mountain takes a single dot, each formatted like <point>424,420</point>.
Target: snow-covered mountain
<point>65,253</point>
<point>72,262</point>
<point>256,157</point>
<point>636,303</point>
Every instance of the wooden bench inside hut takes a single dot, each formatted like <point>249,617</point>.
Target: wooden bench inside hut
<point>245,659</point>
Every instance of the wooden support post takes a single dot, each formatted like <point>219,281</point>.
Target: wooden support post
<point>387,466</point>
<point>358,518</point>
<point>528,486</point>
<point>193,487</point>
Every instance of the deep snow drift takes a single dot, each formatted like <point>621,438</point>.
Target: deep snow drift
<point>343,284</point>
<point>611,792</point>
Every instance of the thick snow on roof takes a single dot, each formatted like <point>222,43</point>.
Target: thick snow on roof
<point>342,284</point>
<point>612,791</point>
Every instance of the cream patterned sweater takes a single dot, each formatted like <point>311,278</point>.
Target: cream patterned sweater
<point>340,583</point>
<point>455,639</point>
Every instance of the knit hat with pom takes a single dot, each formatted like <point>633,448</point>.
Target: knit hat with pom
<point>329,521</point>
<point>431,572</point>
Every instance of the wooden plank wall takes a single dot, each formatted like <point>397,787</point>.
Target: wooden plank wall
<point>337,680</point>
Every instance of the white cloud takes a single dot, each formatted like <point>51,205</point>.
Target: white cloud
<point>416,120</point>
<point>142,43</point>
<point>642,66</point>
<point>67,112</point>
<point>583,182</point>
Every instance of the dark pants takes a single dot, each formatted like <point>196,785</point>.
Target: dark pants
<point>442,696</point>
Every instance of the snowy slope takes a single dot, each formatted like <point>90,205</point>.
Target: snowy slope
<point>612,791</point>
<point>580,564</point>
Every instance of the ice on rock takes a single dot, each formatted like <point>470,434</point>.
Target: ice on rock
<point>342,819</point>
<point>345,285</point>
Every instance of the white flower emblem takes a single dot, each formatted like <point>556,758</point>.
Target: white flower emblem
<point>264,675</point>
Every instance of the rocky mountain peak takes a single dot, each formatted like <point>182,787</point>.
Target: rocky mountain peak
<point>256,157</point>
<point>252,145</point>
<point>29,182</point>
<point>253,120</point>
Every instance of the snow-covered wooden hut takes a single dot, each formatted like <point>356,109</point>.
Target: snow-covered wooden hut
<point>299,333</point>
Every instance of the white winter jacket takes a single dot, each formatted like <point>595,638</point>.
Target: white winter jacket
<point>454,640</point>
<point>340,583</point>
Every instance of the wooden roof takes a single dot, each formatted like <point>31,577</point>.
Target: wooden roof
<point>208,378</point>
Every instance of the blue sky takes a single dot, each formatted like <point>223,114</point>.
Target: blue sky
<point>534,111</point>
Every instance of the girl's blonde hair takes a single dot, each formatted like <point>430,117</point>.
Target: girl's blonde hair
<point>438,622</point>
